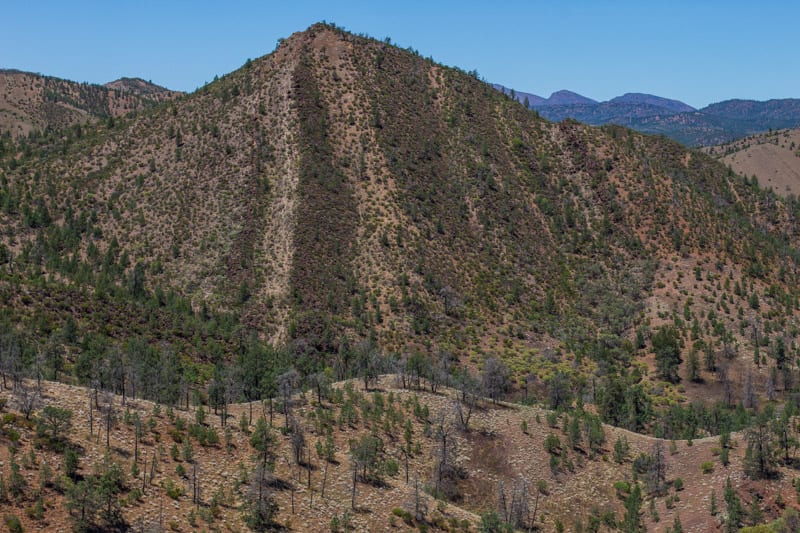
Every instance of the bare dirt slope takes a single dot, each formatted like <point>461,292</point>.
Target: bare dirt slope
<point>773,158</point>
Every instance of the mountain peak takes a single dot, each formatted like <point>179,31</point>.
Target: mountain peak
<point>564,97</point>
<point>140,87</point>
<point>649,99</point>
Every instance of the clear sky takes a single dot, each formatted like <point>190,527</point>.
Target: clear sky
<point>695,51</point>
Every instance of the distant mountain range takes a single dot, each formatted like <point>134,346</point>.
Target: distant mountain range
<point>714,124</point>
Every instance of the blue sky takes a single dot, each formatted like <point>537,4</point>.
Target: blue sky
<point>698,52</point>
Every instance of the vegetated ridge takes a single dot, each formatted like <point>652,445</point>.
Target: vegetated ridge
<point>32,102</point>
<point>345,207</point>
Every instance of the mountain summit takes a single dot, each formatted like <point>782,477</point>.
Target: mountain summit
<point>344,207</point>
<point>342,188</point>
<point>675,106</point>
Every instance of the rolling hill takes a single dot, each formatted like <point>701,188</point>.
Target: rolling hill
<point>32,102</point>
<point>344,207</point>
<point>772,158</point>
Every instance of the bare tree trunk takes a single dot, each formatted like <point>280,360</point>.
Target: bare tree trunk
<point>353,496</point>
<point>535,508</point>
<point>324,479</point>
<point>91,417</point>
<point>144,472</point>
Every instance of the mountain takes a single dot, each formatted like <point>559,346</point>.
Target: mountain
<point>30,102</point>
<point>342,208</point>
<point>558,98</point>
<point>141,87</point>
<point>714,124</point>
<point>533,99</point>
<point>563,97</point>
<point>772,158</point>
<point>621,113</point>
<point>416,213</point>
<point>651,100</point>
<point>784,111</point>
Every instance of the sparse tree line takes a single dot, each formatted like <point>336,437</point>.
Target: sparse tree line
<point>386,449</point>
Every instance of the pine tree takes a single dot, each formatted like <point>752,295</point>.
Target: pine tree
<point>632,522</point>
<point>676,525</point>
<point>734,507</point>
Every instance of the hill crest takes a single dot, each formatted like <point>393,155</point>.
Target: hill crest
<point>342,206</point>
<point>31,102</point>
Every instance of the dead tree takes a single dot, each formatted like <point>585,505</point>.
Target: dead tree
<point>416,504</point>
<point>519,509</point>
<point>466,401</point>
<point>27,398</point>
<point>287,382</point>
<point>109,413</point>
<point>446,472</point>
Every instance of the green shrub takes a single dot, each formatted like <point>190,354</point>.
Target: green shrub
<point>173,489</point>
<point>622,488</point>
<point>404,515</point>
<point>707,467</point>
<point>551,443</point>
<point>13,524</point>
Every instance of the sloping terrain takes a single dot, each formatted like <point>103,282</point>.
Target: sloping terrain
<point>773,158</point>
<point>342,189</point>
<point>182,468</point>
<point>31,102</point>
<point>342,207</point>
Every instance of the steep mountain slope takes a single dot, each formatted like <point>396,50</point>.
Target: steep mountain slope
<point>772,158</point>
<point>33,102</point>
<point>342,206</point>
<point>533,99</point>
<point>342,189</point>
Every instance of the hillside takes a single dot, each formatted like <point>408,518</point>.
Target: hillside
<point>183,468</point>
<point>31,102</point>
<point>314,200</point>
<point>773,158</point>
<point>343,207</point>
<point>141,87</point>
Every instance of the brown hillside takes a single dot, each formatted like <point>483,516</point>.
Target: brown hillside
<point>341,187</point>
<point>343,207</point>
<point>773,158</point>
<point>496,452</point>
<point>30,102</point>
